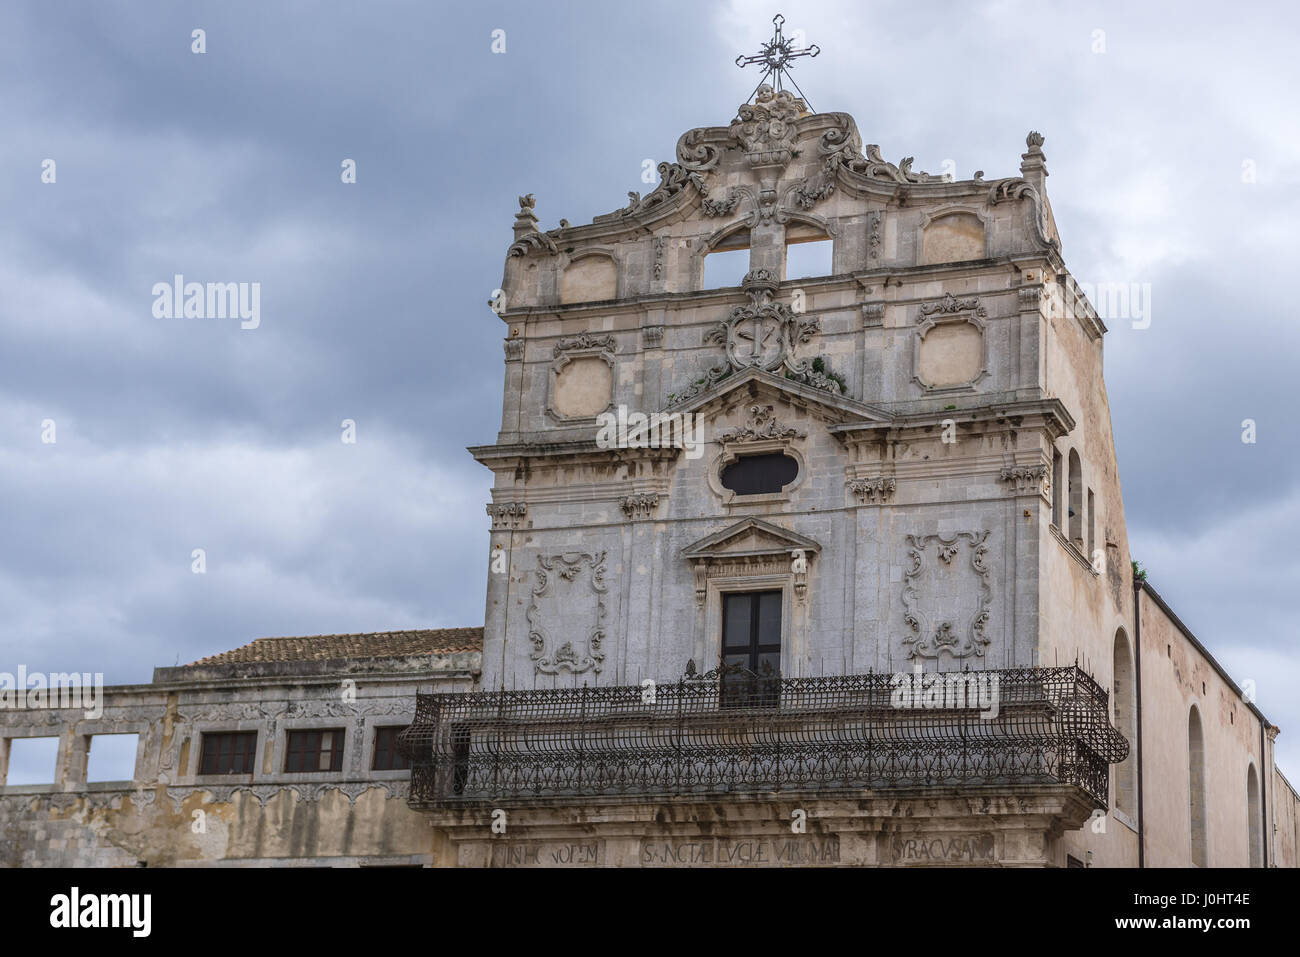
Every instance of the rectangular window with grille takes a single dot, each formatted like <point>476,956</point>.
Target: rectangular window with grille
<point>315,750</point>
<point>228,752</point>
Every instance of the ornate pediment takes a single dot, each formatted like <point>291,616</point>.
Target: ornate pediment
<point>765,139</point>
<point>751,537</point>
<point>749,548</point>
<point>774,163</point>
<point>769,387</point>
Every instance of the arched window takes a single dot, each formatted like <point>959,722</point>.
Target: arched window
<point>1253,829</point>
<point>1124,699</point>
<point>1076,499</point>
<point>1196,787</point>
<point>1058,490</point>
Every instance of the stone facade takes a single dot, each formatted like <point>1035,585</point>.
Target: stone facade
<point>956,503</point>
<point>910,383</point>
<point>950,502</point>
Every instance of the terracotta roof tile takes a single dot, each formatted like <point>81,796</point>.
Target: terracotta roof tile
<point>383,644</point>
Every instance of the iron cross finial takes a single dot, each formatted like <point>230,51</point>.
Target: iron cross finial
<point>776,57</point>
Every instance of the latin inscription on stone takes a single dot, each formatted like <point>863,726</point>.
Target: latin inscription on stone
<point>946,849</point>
<point>741,852</point>
<point>548,854</point>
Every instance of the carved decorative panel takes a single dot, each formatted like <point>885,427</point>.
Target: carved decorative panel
<point>567,613</point>
<point>947,593</point>
<point>950,351</point>
<point>582,377</point>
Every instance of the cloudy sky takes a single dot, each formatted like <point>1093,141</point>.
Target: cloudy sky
<point>1174,153</point>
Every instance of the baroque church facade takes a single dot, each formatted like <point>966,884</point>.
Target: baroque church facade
<point>823,570</point>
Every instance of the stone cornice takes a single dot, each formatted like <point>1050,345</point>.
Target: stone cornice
<point>1052,414</point>
<point>498,455</point>
<point>866,279</point>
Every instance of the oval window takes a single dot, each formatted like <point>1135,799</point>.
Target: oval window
<point>757,474</point>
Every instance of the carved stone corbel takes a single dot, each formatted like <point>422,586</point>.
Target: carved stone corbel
<point>1025,479</point>
<point>507,514</point>
<point>640,505</point>
<point>873,491</point>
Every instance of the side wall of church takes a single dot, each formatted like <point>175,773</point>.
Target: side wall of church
<point>1178,677</point>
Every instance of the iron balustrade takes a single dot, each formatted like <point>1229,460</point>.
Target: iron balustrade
<point>720,734</point>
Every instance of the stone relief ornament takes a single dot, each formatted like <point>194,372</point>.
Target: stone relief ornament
<point>332,708</point>
<point>584,341</point>
<point>946,601</point>
<point>1018,188</point>
<point>299,708</point>
<point>562,605</point>
<point>527,237</point>
<point>233,711</point>
<point>306,793</point>
<point>842,149</point>
<point>673,178</point>
<point>763,425</point>
<point>532,242</point>
<point>640,505</point>
<point>873,491</point>
<point>724,206</point>
<point>808,192</point>
<point>763,334</point>
<point>1025,478</point>
<point>951,304</point>
<point>765,129</point>
<point>507,514</point>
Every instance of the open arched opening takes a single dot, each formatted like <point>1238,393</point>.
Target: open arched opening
<point>1196,787</point>
<point>1076,499</point>
<point>1124,700</point>
<point>1254,831</point>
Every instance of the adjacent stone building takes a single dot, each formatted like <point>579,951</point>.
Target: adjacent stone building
<point>221,772</point>
<point>811,570</point>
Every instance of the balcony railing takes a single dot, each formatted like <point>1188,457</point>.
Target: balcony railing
<point>715,735</point>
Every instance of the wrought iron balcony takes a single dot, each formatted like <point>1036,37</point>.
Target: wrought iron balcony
<point>721,734</point>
